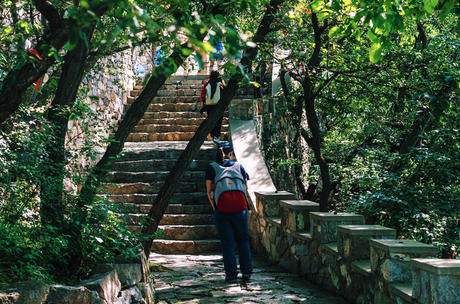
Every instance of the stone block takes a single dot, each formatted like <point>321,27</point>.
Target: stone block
<point>267,202</point>
<point>28,292</point>
<point>60,294</point>
<point>353,240</point>
<point>391,259</point>
<point>295,214</point>
<point>323,225</point>
<point>436,281</point>
<point>129,274</point>
<point>107,285</point>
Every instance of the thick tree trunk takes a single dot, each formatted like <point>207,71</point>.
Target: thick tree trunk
<point>182,164</point>
<point>52,205</point>
<point>28,70</point>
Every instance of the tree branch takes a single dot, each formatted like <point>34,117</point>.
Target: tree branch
<point>50,13</point>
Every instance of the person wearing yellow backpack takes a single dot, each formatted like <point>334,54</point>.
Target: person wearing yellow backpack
<point>210,96</point>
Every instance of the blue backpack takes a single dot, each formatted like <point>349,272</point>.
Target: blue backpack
<point>228,179</point>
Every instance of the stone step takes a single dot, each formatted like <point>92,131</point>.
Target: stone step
<point>146,177</point>
<point>165,154</point>
<point>150,188</point>
<point>161,99</point>
<point>165,128</point>
<point>176,136</point>
<point>191,198</point>
<point>189,232</point>
<point>175,219</point>
<point>177,121</point>
<point>186,247</point>
<point>167,114</point>
<point>204,208</point>
<point>154,165</point>
<point>171,107</point>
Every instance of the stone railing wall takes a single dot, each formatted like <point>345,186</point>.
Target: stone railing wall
<point>364,263</point>
<point>277,141</point>
<point>125,282</point>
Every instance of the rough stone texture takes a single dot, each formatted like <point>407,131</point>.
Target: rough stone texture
<point>295,214</point>
<point>129,274</point>
<point>28,292</point>
<point>324,225</point>
<point>353,240</point>
<point>391,258</point>
<point>268,203</point>
<point>130,296</point>
<point>9,297</point>
<point>107,285</point>
<point>200,279</point>
<point>60,294</point>
<point>436,281</point>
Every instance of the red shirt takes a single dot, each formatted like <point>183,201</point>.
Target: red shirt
<point>232,202</point>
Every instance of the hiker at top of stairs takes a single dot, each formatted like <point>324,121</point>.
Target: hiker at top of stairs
<point>210,96</point>
<point>229,182</point>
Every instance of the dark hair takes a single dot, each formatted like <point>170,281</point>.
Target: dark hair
<point>214,79</point>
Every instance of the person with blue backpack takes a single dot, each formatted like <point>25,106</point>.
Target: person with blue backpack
<point>226,186</point>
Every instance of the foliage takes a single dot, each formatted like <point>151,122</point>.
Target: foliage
<point>29,250</point>
<point>388,125</point>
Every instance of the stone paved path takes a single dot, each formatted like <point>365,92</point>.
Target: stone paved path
<point>188,279</point>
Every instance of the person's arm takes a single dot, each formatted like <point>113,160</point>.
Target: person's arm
<point>222,83</point>
<point>208,191</point>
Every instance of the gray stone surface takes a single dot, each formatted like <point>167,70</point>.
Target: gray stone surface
<point>60,294</point>
<point>200,279</point>
<point>436,281</point>
<point>107,285</point>
<point>28,292</point>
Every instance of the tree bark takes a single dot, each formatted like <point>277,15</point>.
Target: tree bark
<point>52,205</point>
<point>28,70</point>
<point>315,139</point>
<point>182,164</point>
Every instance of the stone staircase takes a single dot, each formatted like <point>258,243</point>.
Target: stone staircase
<point>150,152</point>
<point>173,115</point>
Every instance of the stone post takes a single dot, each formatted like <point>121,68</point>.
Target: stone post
<point>436,281</point>
<point>353,240</point>
<point>267,202</point>
<point>323,225</point>
<point>295,214</point>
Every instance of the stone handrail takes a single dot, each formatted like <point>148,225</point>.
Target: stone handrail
<point>363,263</point>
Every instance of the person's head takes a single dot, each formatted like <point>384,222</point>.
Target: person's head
<point>225,152</point>
<point>214,76</point>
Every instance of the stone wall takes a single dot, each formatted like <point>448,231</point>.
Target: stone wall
<point>363,263</point>
<point>105,90</point>
<point>125,282</point>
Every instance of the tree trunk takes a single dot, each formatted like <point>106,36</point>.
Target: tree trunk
<point>52,205</point>
<point>182,164</point>
<point>314,141</point>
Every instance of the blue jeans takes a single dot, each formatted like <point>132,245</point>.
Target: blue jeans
<point>231,226</point>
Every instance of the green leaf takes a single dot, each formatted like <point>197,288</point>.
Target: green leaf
<point>429,5</point>
<point>375,53</point>
<point>333,31</point>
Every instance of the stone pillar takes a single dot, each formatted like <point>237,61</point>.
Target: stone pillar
<point>436,281</point>
<point>391,266</point>
<point>323,225</point>
<point>267,202</point>
<point>295,214</point>
<point>353,240</point>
